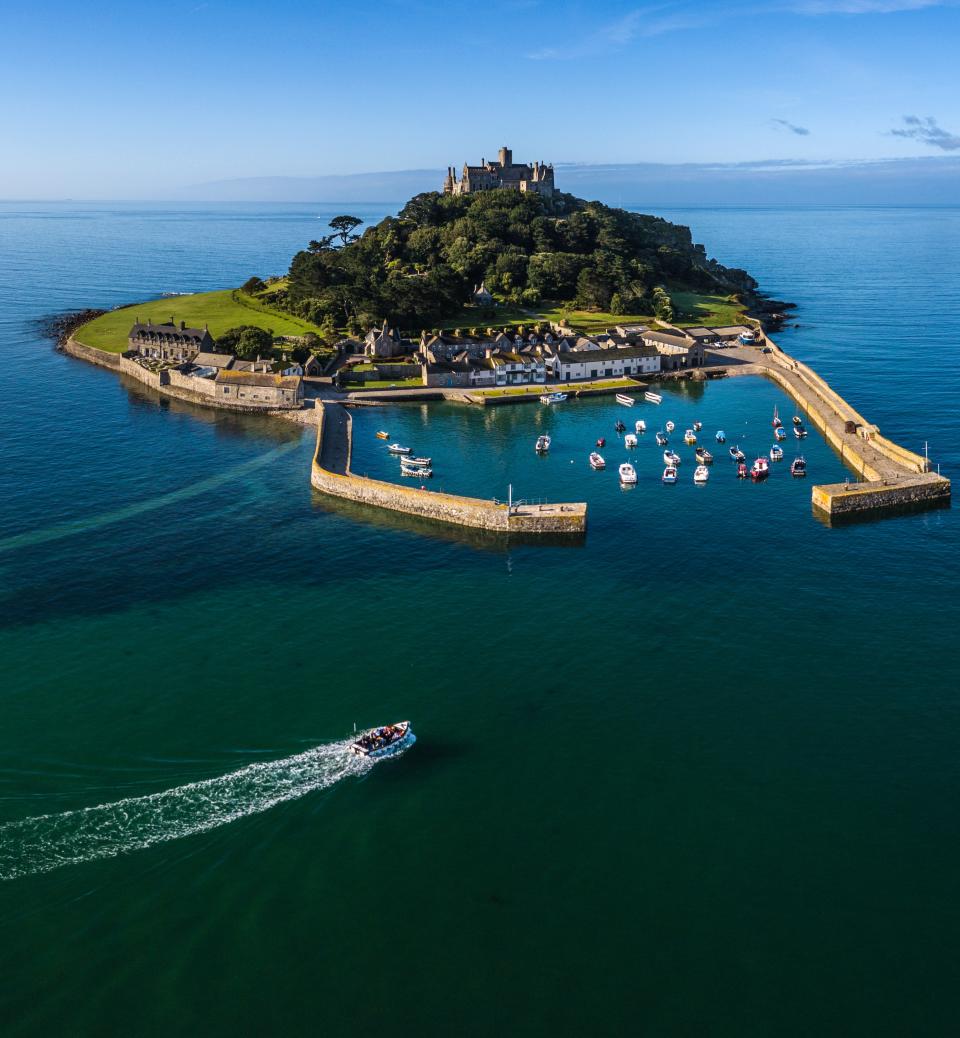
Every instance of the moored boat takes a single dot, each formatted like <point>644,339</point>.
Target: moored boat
<point>760,469</point>
<point>627,401</point>
<point>380,742</point>
<point>619,426</point>
<point>671,458</point>
<point>798,467</point>
<point>742,472</point>
<point>669,426</point>
<point>653,398</point>
<point>415,463</point>
<point>662,440</point>
<point>747,338</point>
<point>703,456</point>
<point>721,436</point>
<point>776,453</point>
<point>670,474</point>
<point>395,448</point>
<point>776,418</point>
<point>602,441</point>
<point>543,444</point>
<point>780,433</point>
<point>630,440</point>
<point>697,426</point>
<point>689,437</point>
<point>596,461</point>
<point>640,425</point>
<point>799,432</point>
<point>628,474</point>
<point>383,435</point>
<point>737,454</point>
<point>553,398</point>
<point>797,420</point>
<point>701,474</point>
<point>416,470</point>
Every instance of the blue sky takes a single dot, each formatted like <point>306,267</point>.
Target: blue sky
<point>143,101</point>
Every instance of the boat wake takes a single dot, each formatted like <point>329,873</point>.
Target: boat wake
<point>47,842</point>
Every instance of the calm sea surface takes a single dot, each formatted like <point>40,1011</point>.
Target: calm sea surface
<point>697,776</point>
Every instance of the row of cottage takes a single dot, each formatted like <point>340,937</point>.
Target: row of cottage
<point>500,358</point>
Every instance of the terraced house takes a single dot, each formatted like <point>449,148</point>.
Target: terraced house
<point>169,342</point>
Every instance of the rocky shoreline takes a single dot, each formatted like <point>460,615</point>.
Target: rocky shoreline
<point>59,327</point>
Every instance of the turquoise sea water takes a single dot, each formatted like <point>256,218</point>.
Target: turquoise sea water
<point>697,775</point>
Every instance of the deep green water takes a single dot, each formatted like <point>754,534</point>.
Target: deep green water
<point>696,776</point>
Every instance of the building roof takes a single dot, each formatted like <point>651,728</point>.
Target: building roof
<point>248,378</point>
<point>730,330</point>
<point>607,355</point>
<point>665,339</point>
<point>214,360</point>
<point>700,333</point>
<point>179,331</point>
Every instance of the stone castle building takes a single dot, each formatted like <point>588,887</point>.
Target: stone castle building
<point>537,178</point>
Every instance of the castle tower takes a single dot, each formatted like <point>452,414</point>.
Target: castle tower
<point>506,157</point>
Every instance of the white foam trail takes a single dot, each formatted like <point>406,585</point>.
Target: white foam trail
<point>47,842</point>
<point>75,526</point>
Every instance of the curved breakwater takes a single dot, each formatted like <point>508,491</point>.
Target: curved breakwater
<point>47,842</point>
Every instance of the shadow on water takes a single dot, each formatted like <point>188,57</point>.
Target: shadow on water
<point>876,515</point>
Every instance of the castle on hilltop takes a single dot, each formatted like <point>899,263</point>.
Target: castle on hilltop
<point>537,178</point>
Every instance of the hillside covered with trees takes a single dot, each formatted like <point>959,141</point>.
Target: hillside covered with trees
<point>419,268</point>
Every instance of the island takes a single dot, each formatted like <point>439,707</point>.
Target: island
<point>491,290</point>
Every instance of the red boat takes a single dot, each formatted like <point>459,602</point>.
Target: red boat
<point>601,442</point>
<point>742,470</point>
<point>760,470</point>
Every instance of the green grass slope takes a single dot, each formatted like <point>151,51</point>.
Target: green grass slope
<point>220,310</point>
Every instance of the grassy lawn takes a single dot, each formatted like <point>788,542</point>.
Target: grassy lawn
<point>396,383</point>
<point>691,308</point>
<point>554,387</point>
<point>219,310</point>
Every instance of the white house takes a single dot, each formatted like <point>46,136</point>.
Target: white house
<point>611,363</point>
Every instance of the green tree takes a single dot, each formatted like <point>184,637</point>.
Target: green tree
<point>254,342</point>
<point>344,226</point>
<point>253,285</point>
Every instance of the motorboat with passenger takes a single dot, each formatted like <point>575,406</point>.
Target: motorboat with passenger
<point>653,398</point>
<point>669,474</point>
<point>553,398</point>
<point>596,461</point>
<point>798,467</point>
<point>381,742</point>
<point>630,440</point>
<point>776,453</point>
<point>703,456</point>
<point>689,437</point>
<point>619,426</point>
<point>799,432</point>
<point>721,436</point>
<point>395,448</point>
<point>760,469</point>
<point>640,425</point>
<point>737,454</point>
<point>697,426</point>
<point>669,426</point>
<point>701,474</point>
<point>671,458</point>
<point>662,440</point>
<point>797,420</point>
<point>543,444</point>
<point>627,401</point>
<point>628,474</point>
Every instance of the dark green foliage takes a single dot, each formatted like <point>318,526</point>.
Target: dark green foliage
<point>253,285</point>
<point>246,341</point>
<point>419,268</point>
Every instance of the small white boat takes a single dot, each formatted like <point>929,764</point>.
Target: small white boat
<point>640,425</point>
<point>422,473</point>
<point>776,453</point>
<point>415,463</point>
<point>780,433</point>
<point>721,436</point>
<point>627,401</point>
<point>697,426</point>
<point>703,456</point>
<point>662,440</point>
<point>669,474</point>
<point>670,458</point>
<point>747,338</point>
<point>628,474</point>
<point>701,474</point>
<point>630,440</point>
<point>653,398</point>
<point>798,467</point>
<point>395,448</point>
<point>670,426</point>
<point>689,437</point>
<point>553,398</point>
<point>596,461</point>
<point>543,444</point>
<point>381,742</point>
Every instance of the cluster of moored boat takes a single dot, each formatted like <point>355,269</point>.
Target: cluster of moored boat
<point>409,465</point>
<point>758,471</point>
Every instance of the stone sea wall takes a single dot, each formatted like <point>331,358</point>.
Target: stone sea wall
<point>440,507</point>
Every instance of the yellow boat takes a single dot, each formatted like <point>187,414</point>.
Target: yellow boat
<point>383,435</point>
